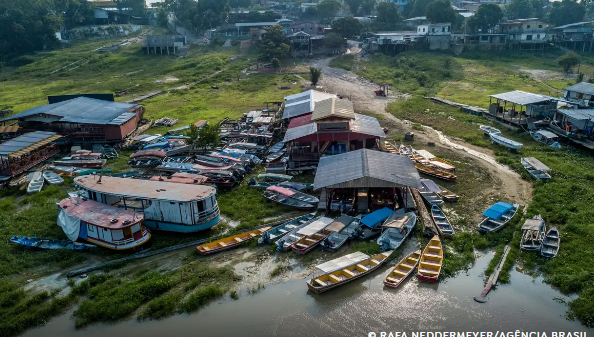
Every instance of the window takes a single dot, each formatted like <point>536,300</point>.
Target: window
<point>539,26</point>
<point>527,26</point>
<point>117,234</point>
<point>333,126</point>
<point>90,228</point>
<point>538,36</point>
<point>528,37</point>
<point>443,29</point>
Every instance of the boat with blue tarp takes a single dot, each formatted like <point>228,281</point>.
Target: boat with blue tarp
<point>497,216</point>
<point>32,242</point>
<point>369,223</point>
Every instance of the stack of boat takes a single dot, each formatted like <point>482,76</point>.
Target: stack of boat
<point>536,238</point>
<point>396,229</point>
<point>536,169</point>
<point>346,226</point>
<point>289,197</point>
<point>427,163</point>
<point>276,158</point>
<point>82,158</point>
<point>496,137</point>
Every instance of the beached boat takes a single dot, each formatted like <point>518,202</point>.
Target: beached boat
<point>546,137</point>
<point>536,169</point>
<point>431,197</point>
<point>533,233</point>
<point>210,161</point>
<point>434,161</point>
<point>551,243</point>
<point>405,150</point>
<point>370,223</point>
<point>443,224</point>
<point>289,197</point>
<point>499,139</point>
<point>259,185</point>
<point>36,183</point>
<point>431,261</point>
<point>447,195</point>
<point>311,239</point>
<point>402,270</point>
<point>278,232</point>
<point>396,229</point>
<point>313,226</point>
<point>32,242</point>
<point>435,173</point>
<point>333,242</point>
<point>274,177</point>
<point>350,267</point>
<point>104,225</point>
<point>230,241</point>
<point>489,129</point>
<point>296,186</point>
<point>391,148</point>
<point>276,147</point>
<point>80,162</point>
<point>497,216</point>
<point>69,171</point>
<point>52,178</point>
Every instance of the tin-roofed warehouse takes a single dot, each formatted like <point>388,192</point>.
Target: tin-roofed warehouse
<point>84,119</point>
<point>365,180</point>
<point>23,152</point>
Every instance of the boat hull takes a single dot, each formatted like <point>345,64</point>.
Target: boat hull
<point>303,251</point>
<point>425,278</point>
<point>175,227</point>
<point>127,246</point>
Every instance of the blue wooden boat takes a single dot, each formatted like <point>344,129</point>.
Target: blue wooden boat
<point>497,216</point>
<point>397,228</point>
<point>333,242</point>
<point>278,232</point>
<point>296,186</point>
<point>32,242</point>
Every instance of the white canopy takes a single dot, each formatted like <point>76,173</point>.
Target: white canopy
<point>315,226</point>
<point>342,262</point>
<point>430,186</point>
<point>425,154</point>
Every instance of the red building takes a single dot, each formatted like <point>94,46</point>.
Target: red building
<point>83,119</point>
<point>21,153</point>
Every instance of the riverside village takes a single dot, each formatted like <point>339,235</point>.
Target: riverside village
<point>296,168</point>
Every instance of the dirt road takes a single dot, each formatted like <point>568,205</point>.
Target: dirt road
<point>361,92</point>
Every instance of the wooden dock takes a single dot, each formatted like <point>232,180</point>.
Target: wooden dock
<point>429,226</point>
<point>482,298</point>
<point>141,98</point>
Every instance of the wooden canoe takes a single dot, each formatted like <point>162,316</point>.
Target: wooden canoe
<point>391,148</point>
<point>402,270</point>
<point>550,244</point>
<point>435,173</point>
<point>441,221</point>
<point>309,242</point>
<point>448,195</point>
<point>328,281</point>
<point>230,241</point>
<point>431,261</point>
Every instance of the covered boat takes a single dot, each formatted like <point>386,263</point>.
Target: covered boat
<point>497,216</point>
<point>36,182</point>
<point>52,178</point>
<point>289,197</point>
<point>230,241</point>
<point>533,232</point>
<point>499,139</point>
<point>345,269</point>
<point>546,137</point>
<point>432,160</point>
<point>441,221</point>
<point>435,172</point>
<point>274,177</point>
<point>551,243</point>
<point>337,239</point>
<point>370,223</point>
<point>166,206</point>
<point>278,232</point>
<point>402,270</point>
<point>104,225</point>
<point>32,242</point>
<point>313,226</point>
<point>536,169</point>
<point>431,261</point>
<point>396,229</point>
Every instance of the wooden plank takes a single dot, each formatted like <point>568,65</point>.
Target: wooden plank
<point>430,228</point>
<point>482,298</point>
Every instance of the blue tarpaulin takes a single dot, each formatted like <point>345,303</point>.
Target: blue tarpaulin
<point>156,145</point>
<point>373,219</point>
<point>496,211</point>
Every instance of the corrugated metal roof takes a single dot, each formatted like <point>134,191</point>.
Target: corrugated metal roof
<point>523,98</point>
<point>22,143</point>
<point>342,262</point>
<point>121,119</point>
<point>9,129</point>
<point>315,226</point>
<point>547,134</point>
<point>333,107</point>
<point>582,87</point>
<point>300,131</point>
<point>99,214</point>
<point>579,114</point>
<point>574,24</point>
<point>367,125</point>
<point>80,110</point>
<point>537,164</point>
<point>299,121</point>
<point>366,168</point>
<point>302,103</point>
<point>157,190</point>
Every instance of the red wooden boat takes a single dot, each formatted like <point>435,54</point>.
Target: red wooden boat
<point>431,261</point>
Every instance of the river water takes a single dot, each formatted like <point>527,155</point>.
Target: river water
<point>355,309</point>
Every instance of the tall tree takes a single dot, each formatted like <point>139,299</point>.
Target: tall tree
<point>367,6</point>
<point>486,17</point>
<point>346,27</point>
<point>568,61</point>
<point>328,8</point>
<point>75,12</point>
<point>519,9</point>
<point>315,74</point>
<point>135,7</point>
<point>354,5</point>
<point>566,11</point>
<point>419,8</point>
<point>275,43</point>
<point>388,16</point>
<point>441,11</point>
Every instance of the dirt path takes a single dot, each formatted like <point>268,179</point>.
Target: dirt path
<point>361,92</point>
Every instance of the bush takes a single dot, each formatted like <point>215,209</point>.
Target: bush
<point>202,297</point>
<point>21,61</point>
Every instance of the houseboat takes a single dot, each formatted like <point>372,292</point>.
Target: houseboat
<point>104,225</point>
<point>166,206</point>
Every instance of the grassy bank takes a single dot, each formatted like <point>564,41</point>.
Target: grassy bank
<point>563,202</point>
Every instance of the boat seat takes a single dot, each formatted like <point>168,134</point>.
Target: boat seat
<point>282,230</point>
<point>205,248</point>
<point>320,283</point>
<point>252,234</point>
<point>393,280</point>
<point>348,272</point>
<point>223,244</point>
<point>431,263</point>
<point>375,261</point>
<point>310,240</point>
<point>429,271</point>
<point>300,245</point>
<point>363,267</point>
<point>435,247</point>
<point>334,278</point>
<point>238,240</point>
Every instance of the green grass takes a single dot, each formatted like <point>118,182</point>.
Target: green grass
<point>280,269</point>
<point>343,62</point>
